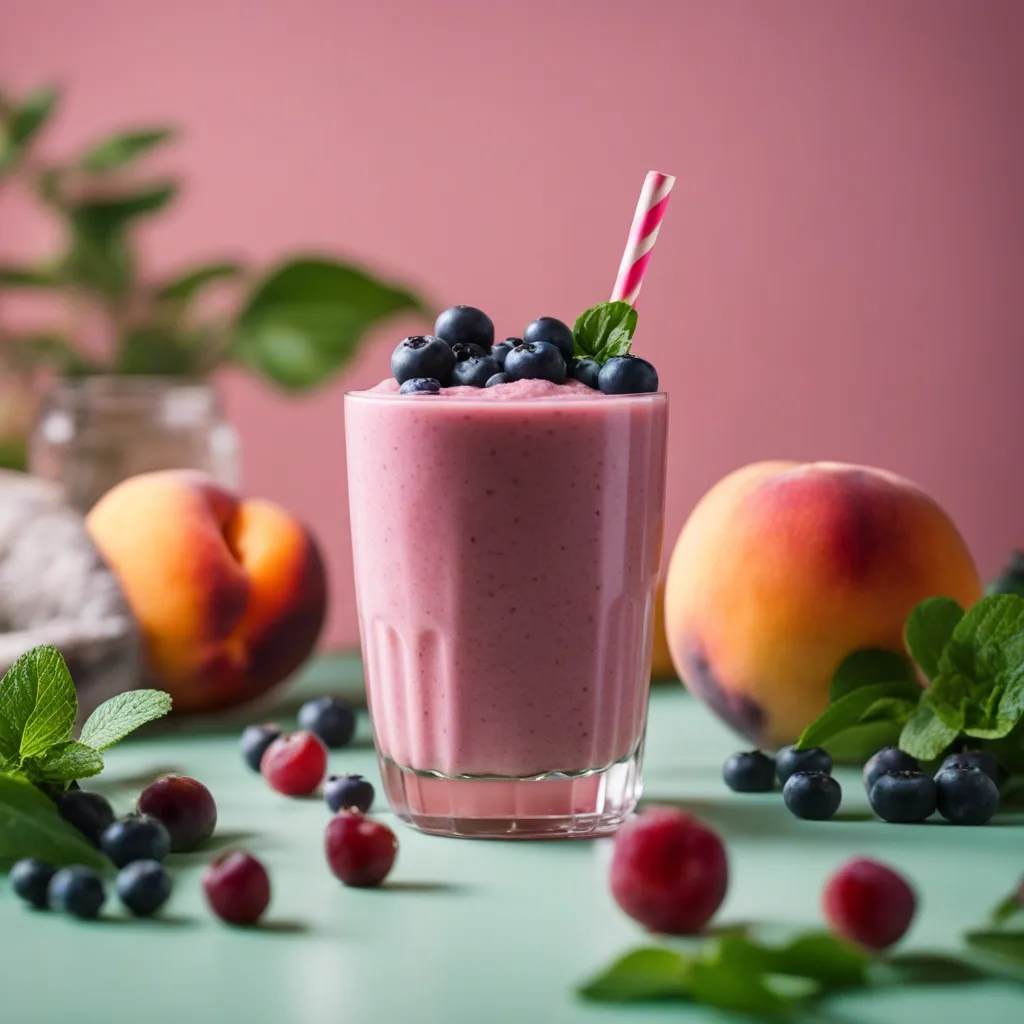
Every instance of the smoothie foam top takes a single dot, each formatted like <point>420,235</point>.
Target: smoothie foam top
<point>515,390</point>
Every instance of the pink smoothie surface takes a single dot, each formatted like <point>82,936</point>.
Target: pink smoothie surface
<point>507,544</point>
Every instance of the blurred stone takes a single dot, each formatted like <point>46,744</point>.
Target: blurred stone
<point>55,589</point>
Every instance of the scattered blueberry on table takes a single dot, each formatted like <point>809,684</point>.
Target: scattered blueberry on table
<point>255,740</point>
<point>749,772</point>
<point>812,795</point>
<point>330,719</point>
<point>965,795</point>
<point>89,812</point>
<point>30,880</point>
<point>980,759</point>
<point>341,791</point>
<point>888,759</point>
<point>789,760</point>
<point>905,797</point>
<point>78,891</point>
<point>143,887</point>
<point>135,837</point>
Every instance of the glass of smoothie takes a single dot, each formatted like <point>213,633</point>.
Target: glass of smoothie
<point>507,544</point>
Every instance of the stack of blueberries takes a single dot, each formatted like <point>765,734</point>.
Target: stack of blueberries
<point>461,353</point>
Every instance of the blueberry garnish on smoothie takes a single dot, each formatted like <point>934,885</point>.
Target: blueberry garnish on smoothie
<point>421,386</point>
<point>473,369</point>
<point>585,371</point>
<point>498,378</point>
<point>465,324</point>
<point>536,360</point>
<point>502,348</point>
<point>627,375</point>
<point>422,355</point>
<point>547,328</point>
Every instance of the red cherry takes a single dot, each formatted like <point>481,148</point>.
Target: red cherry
<point>295,764</point>
<point>360,851</point>
<point>669,871</point>
<point>237,887</point>
<point>869,903</point>
<point>185,806</point>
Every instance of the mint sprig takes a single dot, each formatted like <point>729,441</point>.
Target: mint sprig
<point>604,331</point>
<point>38,708</point>
<point>974,663</point>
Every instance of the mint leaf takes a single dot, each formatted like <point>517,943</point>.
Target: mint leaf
<point>604,331</point>
<point>870,665</point>
<point>116,718</point>
<point>648,973</point>
<point>923,969</point>
<point>851,709</point>
<point>736,990</point>
<point>31,827</point>
<point>929,628</point>
<point>1006,947</point>
<point>67,762</point>
<point>926,736</point>
<point>857,743</point>
<point>824,958</point>
<point>38,704</point>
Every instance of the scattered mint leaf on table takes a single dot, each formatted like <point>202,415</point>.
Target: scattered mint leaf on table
<point>1008,907</point>
<point>1005,947</point>
<point>604,331</point>
<point>929,628</point>
<point>31,827</point>
<point>644,974</point>
<point>38,704</point>
<point>867,666</point>
<point>116,718</point>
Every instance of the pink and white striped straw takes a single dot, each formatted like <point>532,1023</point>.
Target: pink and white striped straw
<point>650,212</point>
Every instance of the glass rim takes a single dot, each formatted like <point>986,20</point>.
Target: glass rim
<point>447,400</point>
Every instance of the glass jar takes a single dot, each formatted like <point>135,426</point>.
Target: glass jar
<point>91,434</point>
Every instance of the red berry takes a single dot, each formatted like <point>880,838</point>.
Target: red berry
<point>669,871</point>
<point>360,851</point>
<point>186,808</point>
<point>869,903</point>
<point>295,764</point>
<point>237,888</point>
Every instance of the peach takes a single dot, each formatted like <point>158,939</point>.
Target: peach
<point>661,657</point>
<point>230,594</point>
<point>783,569</point>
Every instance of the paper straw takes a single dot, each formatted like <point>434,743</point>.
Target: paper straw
<point>650,212</point>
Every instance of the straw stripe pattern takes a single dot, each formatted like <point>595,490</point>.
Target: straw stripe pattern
<point>650,212</point>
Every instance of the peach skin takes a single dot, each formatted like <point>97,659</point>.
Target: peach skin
<point>783,569</point>
<point>230,594</point>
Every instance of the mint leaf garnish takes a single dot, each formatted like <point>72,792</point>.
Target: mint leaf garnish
<point>929,628</point>
<point>648,973</point>
<point>38,704</point>
<point>926,736</point>
<point>116,718</point>
<point>67,762</point>
<point>855,708</point>
<point>870,665</point>
<point>31,827</point>
<point>604,331</point>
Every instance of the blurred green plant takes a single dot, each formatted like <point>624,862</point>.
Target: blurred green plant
<point>295,325</point>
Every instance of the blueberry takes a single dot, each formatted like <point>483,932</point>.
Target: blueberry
<point>965,795</point>
<point>888,759</point>
<point>348,791</point>
<point>330,719</point>
<point>981,759</point>
<point>812,795</point>
<point>76,890</point>
<point>586,371</point>
<point>255,740</point>
<point>143,887</point>
<point>89,812</point>
<point>904,796</point>
<point>789,760</point>
<point>547,328</point>
<point>473,371</point>
<point>422,356</point>
<point>137,837</point>
<point>465,324</point>
<point>421,386</point>
<point>627,375</point>
<point>751,772</point>
<point>30,880</point>
<point>502,349</point>
<point>538,360</point>
<point>498,378</point>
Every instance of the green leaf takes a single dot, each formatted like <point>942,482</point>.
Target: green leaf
<point>122,149</point>
<point>926,736</point>
<point>851,709</point>
<point>305,320</point>
<point>823,958</point>
<point>923,969</point>
<point>1009,907</point>
<point>28,352</point>
<point>116,718</point>
<point>870,665</point>
<point>38,704</point>
<point>604,331</point>
<point>736,990</point>
<point>1006,947</point>
<point>856,744</point>
<point>156,352</point>
<point>31,827</point>
<point>644,974</point>
<point>67,762</point>
<point>929,628</point>
<point>27,277</point>
<point>186,285</point>
<point>23,124</point>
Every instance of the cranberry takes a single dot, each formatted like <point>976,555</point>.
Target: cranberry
<point>237,887</point>
<point>186,808</point>
<point>295,764</point>
<point>669,871</point>
<point>869,903</point>
<point>360,851</point>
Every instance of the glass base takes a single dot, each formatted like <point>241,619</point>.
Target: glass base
<point>553,806</point>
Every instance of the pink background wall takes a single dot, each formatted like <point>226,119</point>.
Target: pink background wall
<point>840,274</point>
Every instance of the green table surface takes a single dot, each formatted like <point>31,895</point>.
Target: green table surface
<point>471,931</point>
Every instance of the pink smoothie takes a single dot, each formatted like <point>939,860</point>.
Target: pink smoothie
<point>507,545</point>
